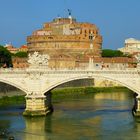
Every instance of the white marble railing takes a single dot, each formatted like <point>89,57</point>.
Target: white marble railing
<point>54,71</point>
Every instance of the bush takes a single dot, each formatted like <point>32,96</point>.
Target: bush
<point>112,53</point>
<point>21,54</point>
<point>5,57</point>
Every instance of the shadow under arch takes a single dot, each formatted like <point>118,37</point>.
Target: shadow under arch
<point>87,77</point>
<point>14,85</point>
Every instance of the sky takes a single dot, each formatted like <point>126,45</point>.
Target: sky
<point>117,20</point>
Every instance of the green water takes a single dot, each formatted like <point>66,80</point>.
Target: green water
<point>102,116</point>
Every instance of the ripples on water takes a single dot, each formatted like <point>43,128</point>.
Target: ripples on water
<point>105,116</point>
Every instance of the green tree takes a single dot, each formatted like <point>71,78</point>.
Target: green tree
<point>111,53</point>
<point>5,57</point>
<point>21,54</point>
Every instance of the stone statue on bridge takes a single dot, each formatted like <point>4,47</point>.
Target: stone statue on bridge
<point>138,60</point>
<point>37,59</point>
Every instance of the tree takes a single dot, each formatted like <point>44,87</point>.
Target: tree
<point>5,57</point>
<point>21,54</point>
<point>111,53</point>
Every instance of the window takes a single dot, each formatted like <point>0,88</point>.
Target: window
<point>50,37</point>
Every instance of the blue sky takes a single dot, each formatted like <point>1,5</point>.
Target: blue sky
<point>116,19</point>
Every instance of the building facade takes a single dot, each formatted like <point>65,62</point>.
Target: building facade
<point>20,62</point>
<point>23,48</point>
<point>11,48</point>
<point>132,46</point>
<point>14,50</point>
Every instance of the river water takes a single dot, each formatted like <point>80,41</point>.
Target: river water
<point>101,116</point>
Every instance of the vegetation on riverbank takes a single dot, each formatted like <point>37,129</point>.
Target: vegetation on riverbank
<point>14,100</point>
<point>82,91</point>
<point>66,93</point>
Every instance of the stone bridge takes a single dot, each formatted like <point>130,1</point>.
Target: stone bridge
<point>37,82</point>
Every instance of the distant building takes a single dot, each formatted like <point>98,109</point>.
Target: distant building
<point>14,50</point>
<point>109,63</point>
<point>23,48</point>
<point>20,62</point>
<point>115,62</point>
<point>65,39</point>
<point>17,61</point>
<point>132,46</point>
<point>11,48</point>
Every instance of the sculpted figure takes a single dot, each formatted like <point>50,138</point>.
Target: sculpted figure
<point>37,59</point>
<point>138,60</point>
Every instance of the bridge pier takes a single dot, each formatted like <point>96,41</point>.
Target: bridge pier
<point>137,112</point>
<point>136,107</point>
<point>37,106</point>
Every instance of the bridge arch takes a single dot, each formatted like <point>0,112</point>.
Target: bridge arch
<point>89,77</point>
<point>13,84</point>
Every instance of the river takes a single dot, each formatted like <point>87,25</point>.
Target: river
<point>102,116</point>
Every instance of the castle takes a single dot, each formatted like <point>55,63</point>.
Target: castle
<point>67,42</point>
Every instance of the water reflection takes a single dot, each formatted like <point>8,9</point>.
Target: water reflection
<point>45,128</point>
<point>35,128</point>
<point>136,130</point>
<point>99,117</point>
<point>4,124</point>
<point>115,96</point>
